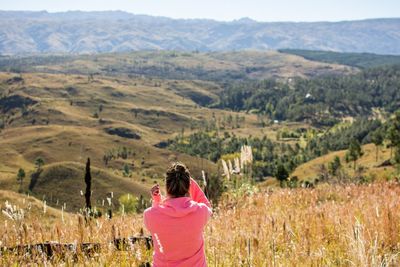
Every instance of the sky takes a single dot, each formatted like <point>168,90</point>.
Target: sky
<point>226,10</point>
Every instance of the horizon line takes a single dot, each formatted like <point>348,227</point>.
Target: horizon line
<point>199,18</point>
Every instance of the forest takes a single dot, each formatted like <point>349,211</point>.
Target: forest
<point>271,157</point>
<point>321,100</point>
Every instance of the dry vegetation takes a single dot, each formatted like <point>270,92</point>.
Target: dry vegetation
<point>255,64</point>
<point>352,225</point>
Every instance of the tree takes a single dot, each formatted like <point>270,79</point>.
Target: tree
<point>88,181</point>
<point>126,171</point>
<point>281,173</point>
<point>355,151</point>
<point>334,166</point>
<point>377,139</point>
<point>20,177</point>
<point>394,136</point>
<point>39,162</point>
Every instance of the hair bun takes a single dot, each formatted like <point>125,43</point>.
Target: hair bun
<point>178,180</point>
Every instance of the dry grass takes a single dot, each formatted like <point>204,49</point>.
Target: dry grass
<point>269,63</point>
<point>33,208</point>
<point>328,226</point>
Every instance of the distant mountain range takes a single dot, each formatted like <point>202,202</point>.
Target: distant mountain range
<point>116,31</point>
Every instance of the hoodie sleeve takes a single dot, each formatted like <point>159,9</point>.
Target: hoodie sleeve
<point>197,194</point>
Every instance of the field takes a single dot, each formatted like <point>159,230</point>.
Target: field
<point>327,226</point>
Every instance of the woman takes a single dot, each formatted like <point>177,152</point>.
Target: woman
<point>177,222</point>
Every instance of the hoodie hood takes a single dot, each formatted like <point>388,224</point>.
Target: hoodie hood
<point>177,207</point>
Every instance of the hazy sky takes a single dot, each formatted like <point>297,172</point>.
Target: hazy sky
<point>262,10</point>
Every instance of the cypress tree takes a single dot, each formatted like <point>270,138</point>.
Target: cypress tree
<point>88,181</point>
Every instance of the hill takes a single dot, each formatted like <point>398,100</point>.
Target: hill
<point>95,32</point>
<point>359,60</point>
<point>120,110</point>
<point>62,183</point>
<point>115,122</point>
<point>205,66</point>
<point>372,168</point>
<point>320,100</point>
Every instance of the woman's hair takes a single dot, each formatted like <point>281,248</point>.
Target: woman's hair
<point>177,180</point>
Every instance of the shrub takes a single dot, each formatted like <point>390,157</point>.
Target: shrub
<point>128,203</point>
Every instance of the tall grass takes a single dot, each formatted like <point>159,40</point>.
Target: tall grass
<point>352,225</point>
<point>327,226</point>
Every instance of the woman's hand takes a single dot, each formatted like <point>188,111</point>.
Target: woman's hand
<point>155,190</point>
<point>156,195</point>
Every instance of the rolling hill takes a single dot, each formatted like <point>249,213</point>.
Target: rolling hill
<point>207,66</point>
<point>95,32</point>
<point>93,106</point>
<point>311,170</point>
<point>65,119</point>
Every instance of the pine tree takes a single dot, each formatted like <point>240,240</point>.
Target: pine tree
<point>377,139</point>
<point>20,177</point>
<point>334,166</point>
<point>39,162</point>
<point>126,171</point>
<point>281,173</point>
<point>355,151</point>
<point>394,136</point>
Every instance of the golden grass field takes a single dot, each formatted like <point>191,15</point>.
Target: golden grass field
<point>352,225</point>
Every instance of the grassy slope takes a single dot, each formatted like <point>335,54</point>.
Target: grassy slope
<point>63,182</point>
<point>73,134</point>
<point>187,66</point>
<point>309,170</point>
<point>33,208</point>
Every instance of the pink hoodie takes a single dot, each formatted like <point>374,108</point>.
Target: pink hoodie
<point>176,225</point>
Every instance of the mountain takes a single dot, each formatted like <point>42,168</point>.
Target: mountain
<point>117,31</point>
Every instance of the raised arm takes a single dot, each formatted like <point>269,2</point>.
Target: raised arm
<point>197,194</point>
<point>156,195</point>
